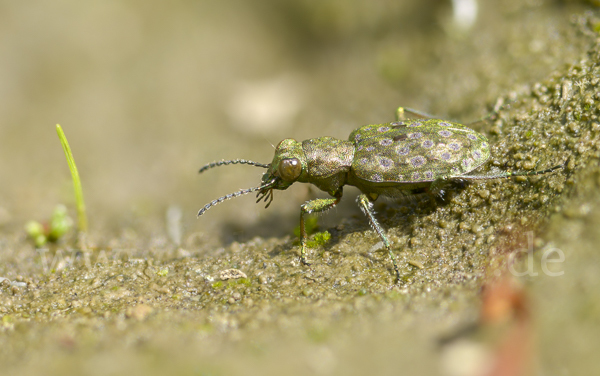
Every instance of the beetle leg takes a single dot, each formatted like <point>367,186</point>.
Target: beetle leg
<point>436,189</point>
<point>508,174</point>
<point>314,206</point>
<point>403,113</point>
<point>366,205</point>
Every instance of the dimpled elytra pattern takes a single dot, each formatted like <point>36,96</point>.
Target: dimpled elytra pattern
<point>417,150</point>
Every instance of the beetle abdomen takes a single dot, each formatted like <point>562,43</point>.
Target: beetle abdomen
<point>416,151</point>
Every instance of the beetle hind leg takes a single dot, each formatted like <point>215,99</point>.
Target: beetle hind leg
<point>366,205</point>
<point>508,174</point>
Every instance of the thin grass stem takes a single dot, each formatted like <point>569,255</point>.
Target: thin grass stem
<point>81,213</point>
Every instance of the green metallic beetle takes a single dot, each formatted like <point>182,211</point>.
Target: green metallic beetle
<point>413,154</point>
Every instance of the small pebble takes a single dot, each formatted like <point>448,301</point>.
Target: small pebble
<point>528,165</point>
<point>476,228</point>
<point>4,282</point>
<point>573,127</point>
<point>232,274</point>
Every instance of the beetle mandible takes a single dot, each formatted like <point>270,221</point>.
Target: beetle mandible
<point>415,152</point>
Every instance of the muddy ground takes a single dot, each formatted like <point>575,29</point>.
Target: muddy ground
<point>502,275</point>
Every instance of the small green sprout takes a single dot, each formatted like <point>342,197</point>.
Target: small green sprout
<point>320,239</point>
<point>163,272</point>
<point>217,285</point>
<point>81,213</point>
<point>35,230</point>
<point>244,281</point>
<point>60,223</point>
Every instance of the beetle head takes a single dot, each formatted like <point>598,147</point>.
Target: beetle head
<point>287,167</point>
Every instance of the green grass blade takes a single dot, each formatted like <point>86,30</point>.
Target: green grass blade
<point>81,214</point>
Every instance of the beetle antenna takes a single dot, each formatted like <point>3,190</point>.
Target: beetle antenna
<point>234,195</point>
<point>233,161</point>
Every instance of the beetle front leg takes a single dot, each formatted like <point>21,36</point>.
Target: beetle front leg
<point>314,206</point>
<point>366,205</point>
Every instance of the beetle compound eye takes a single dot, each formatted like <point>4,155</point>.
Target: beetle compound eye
<point>289,169</point>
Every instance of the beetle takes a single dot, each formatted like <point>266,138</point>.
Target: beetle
<point>413,154</point>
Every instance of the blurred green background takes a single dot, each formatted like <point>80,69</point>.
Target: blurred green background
<point>148,92</point>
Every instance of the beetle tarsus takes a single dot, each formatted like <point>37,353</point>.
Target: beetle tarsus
<point>366,205</point>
